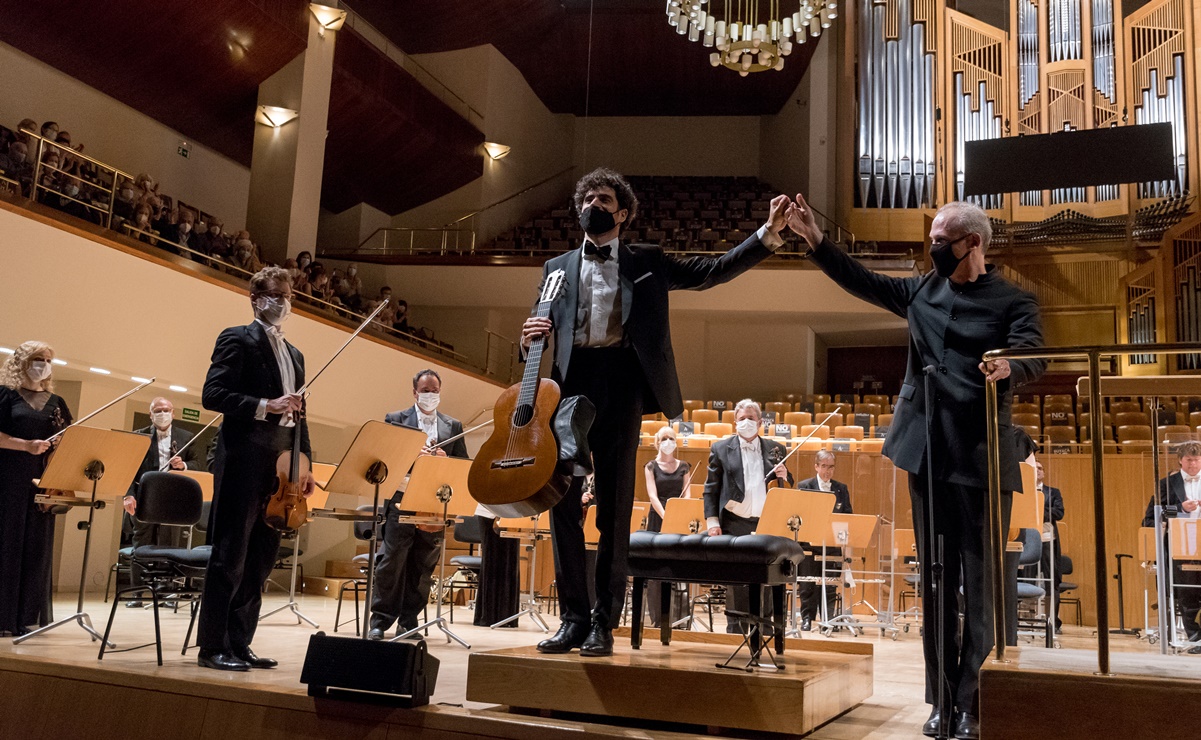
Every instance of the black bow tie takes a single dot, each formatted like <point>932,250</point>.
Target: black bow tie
<point>603,254</point>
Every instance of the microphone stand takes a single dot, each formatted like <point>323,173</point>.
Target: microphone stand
<point>934,551</point>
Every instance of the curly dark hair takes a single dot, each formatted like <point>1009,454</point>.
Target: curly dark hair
<point>605,177</point>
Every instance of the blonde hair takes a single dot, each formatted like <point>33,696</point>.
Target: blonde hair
<point>12,373</point>
<point>663,432</point>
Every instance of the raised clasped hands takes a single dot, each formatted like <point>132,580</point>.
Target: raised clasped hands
<point>801,220</point>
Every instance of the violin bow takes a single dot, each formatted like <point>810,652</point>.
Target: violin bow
<point>305,388</point>
<point>802,442</point>
<point>108,405</point>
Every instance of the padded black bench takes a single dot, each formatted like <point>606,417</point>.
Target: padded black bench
<point>747,560</point>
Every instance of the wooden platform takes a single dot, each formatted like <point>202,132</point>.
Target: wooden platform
<point>680,683</point>
<point>1062,696</point>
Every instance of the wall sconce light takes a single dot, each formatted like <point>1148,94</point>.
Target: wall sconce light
<point>328,18</point>
<point>273,116</point>
<point>497,151</point>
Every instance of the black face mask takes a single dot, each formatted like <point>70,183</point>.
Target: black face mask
<point>596,221</point>
<point>944,259</point>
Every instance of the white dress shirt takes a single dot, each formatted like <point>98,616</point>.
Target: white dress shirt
<point>428,424</point>
<point>754,487</point>
<point>1192,492</point>
<point>164,448</point>
<point>287,371</point>
<point>598,315</point>
<point>825,485</point>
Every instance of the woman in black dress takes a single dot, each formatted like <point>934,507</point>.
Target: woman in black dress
<point>29,413</point>
<point>667,477</point>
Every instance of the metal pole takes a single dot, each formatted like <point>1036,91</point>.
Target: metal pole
<point>996,538</point>
<point>1098,440</point>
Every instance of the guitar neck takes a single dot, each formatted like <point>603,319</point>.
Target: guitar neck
<point>533,363</point>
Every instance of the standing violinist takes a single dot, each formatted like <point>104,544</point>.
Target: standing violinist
<point>613,345</point>
<point>253,381</point>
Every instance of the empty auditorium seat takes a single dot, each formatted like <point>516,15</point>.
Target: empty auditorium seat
<point>881,401</point>
<point>1061,438</point>
<point>868,408</point>
<point>704,416</point>
<point>822,432</point>
<point>778,407</point>
<point>1131,418</point>
<point>834,419</point>
<point>1106,432</point>
<point>848,432</point>
<point>802,418</point>
<point>719,429</point>
<point>884,420</point>
<point>1121,407</point>
<point>652,427</point>
<point>1025,408</point>
<point>1027,420</point>
<point>1134,438</point>
<point>1173,433</point>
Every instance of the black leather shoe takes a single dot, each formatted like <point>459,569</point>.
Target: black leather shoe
<point>930,729</point>
<point>599,642</point>
<point>375,634</point>
<point>967,726</point>
<point>806,624</point>
<point>221,661</point>
<point>247,655</point>
<point>570,636</point>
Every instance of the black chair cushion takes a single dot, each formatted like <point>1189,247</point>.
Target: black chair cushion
<point>167,498</point>
<point>1029,591</point>
<point>468,532</point>
<point>194,558</point>
<point>756,549</point>
<point>469,562</point>
<point>1065,586</point>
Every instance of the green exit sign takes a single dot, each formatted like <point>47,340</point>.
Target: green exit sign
<point>184,150</point>
<point>191,414</point>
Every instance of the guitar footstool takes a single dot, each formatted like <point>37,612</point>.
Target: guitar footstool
<point>747,560</point>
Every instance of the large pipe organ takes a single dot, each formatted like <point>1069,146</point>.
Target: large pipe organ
<point>927,79</point>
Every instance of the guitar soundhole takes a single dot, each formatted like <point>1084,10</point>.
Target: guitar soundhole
<point>523,415</point>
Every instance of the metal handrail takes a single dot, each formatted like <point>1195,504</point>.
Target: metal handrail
<point>117,174</point>
<point>305,297</point>
<point>996,538</point>
<point>510,197</point>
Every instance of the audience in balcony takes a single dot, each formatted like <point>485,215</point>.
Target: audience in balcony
<point>401,322</point>
<point>181,232</point>
<point>246,253</point>
<point>354,288</point>
<point>15,164</point>
<point>142,230</point>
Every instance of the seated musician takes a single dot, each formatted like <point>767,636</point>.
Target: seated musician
<point>164,454</point>
<point>824,481</point>
<point>404,569</point>
<point>1180,495</point>
<point>736,489</point>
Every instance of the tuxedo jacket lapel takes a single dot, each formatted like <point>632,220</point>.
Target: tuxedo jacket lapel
<point>260,336</point>
<point>734,465</point>
<point>626,270</point>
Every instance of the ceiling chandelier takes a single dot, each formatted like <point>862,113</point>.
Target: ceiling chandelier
<point>746,39</point>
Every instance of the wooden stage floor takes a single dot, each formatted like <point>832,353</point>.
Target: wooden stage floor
<point>895,710</point>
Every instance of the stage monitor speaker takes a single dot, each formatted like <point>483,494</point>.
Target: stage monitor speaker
<point>349,667</point>
<point>1070,159</point>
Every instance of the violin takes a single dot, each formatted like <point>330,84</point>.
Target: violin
<point>287,509</point>
<point>516,472</point>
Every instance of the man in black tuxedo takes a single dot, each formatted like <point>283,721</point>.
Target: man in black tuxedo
<point>405,566</point>
<point>1180,495</point>
<point>165,443</point>
<point>824,481</point>
<point>1052,513</point>
<point>253,380</point>
<point>613,345</point>
<point>956,312</point>
<point>736,489</point>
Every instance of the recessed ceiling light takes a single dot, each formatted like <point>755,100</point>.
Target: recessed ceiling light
<point>6,351</point>
<point>101,370</point>
<point>57,361</point>
<point>137,379</point>
<point>178,388</point>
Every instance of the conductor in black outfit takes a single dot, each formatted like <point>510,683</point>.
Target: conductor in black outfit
<point>956,312</point>
<point>404,570</point>
<point>612,343</point>
<point>253,380</point>
<point>823,465</point>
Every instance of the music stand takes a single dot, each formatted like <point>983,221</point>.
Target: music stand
<point>1184,537</point>
<point>321,474</point>
<point>534,529</point>
<point>432,485</point>
<point>378,447</point>
<point>104,461</point>
<point>683,516</point>
<point>801,516</point>
<point>851,532</point>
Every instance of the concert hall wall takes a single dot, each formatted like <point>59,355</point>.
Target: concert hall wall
<point>122,137</point>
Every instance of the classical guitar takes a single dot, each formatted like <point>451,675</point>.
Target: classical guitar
<point>515,473</point>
